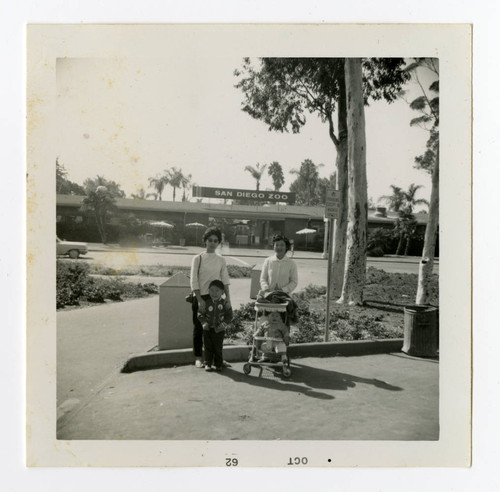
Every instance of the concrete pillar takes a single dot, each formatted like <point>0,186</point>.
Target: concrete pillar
<point>176,322</point>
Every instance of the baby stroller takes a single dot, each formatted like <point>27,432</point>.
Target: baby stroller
<point>260,345</point>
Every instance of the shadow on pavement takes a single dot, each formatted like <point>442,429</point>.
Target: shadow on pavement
<point>306,379</point>
<point>276,384</point>
<point>434,358</point>
<point>321,378</point>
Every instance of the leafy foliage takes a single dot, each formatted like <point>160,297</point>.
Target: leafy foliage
<point>379,242</point>
<point>276,172</point>
<point>177,179</point>
<point>158,183</point>
<point>306,184</point>
<point>427,160</point>
<point>402,200</point>
<point>239,271</point>
<point>101,202</point>
<point>388,291</point>
<point>428,105</point>
<point>71,280</point>
<point>112,187</point>
<point>63,185</point>
<point>234,271</point>
<point>256,173</point>
<point>74,285</point>
<point>280,91</point>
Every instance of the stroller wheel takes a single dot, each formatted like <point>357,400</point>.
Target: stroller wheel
<point>247,368</point>
<point>287,372</point>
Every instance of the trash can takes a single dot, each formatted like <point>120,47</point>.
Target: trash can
<point>255,281</point>
<point>175,330</point>
<point>420,331</point>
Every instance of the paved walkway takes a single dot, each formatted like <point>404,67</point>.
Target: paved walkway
<point>388,396</point>
<point>240,252</point>
<point>377,397</point>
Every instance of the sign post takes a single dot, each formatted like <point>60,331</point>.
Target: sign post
<point>331,212</point>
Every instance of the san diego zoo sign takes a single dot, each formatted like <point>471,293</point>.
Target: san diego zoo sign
<point>234,194</point>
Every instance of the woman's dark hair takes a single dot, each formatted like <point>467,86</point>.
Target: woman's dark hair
<point>280,237</point>
<point>212,231</point>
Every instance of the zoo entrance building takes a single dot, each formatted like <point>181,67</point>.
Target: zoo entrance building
<point>246,226</point>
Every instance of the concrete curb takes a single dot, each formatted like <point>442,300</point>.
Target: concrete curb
<point>239,353</point>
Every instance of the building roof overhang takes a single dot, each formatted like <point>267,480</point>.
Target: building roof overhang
<point>262,212</point>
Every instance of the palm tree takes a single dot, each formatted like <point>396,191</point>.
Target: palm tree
<point>276,172</point>
<point>396,200</point>
<point>158,184</point>
<point>409,198</point>
<point>404,202</point>
<point>256,173</point>
<point>186,184</point>
<point>405,227</point>
<point>114,188</point>
<point>101,201</point>
<point>177,179</point>
<point>140,195</point>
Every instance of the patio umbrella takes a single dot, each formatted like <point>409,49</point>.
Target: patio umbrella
<point>161,225</point>
<point>196,225</point>
<point>306,231</point>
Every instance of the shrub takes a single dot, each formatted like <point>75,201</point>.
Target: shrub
<point>74,284</point>
<point>363,327</point>
<point>239,271</point>
<point>380,239</point>
<point>234,271</point>
<point>310,292</point>
<point>150,288</point>
<point>375,252</point>
<point>246,313</point>
<point>71,280</point>
<point>309,328</point>
<point>94,293</point>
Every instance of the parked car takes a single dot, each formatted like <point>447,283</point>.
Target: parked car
<point>71,248</point>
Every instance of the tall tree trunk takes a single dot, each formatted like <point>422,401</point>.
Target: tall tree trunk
<point>340,228</point>
<point>408,244</point>
<point>100,226</point>
<point>427,262</point>
<point>355,264</point>
<point>399,249</point>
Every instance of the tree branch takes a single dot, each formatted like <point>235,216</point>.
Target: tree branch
<point>436,117</point>
<point>331,130</point>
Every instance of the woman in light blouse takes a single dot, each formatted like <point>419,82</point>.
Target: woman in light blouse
<point>205,267</point>
<point>279,272</point>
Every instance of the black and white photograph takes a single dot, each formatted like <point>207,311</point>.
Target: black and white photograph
<point>242,245</point>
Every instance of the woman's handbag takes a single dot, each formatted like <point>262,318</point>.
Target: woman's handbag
<point>191,296</point>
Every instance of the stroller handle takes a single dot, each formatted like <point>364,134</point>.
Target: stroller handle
<point>269,339</point>
<point>268,306</point>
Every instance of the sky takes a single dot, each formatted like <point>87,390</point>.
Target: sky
<point>129,119</point>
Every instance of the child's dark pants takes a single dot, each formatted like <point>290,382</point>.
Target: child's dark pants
<point>197,329</point>
<point>213,342</point>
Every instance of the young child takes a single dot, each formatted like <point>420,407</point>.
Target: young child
<point>217,313</point>
<point>273,327</point>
